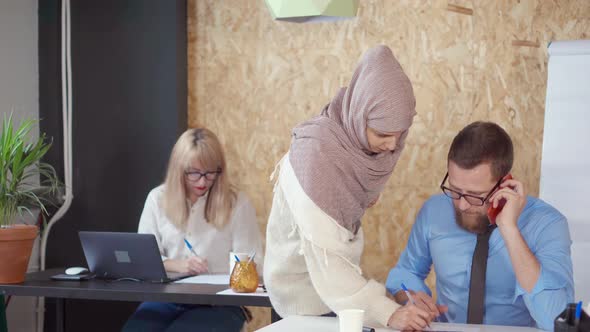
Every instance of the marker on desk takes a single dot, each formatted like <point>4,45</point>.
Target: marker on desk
<point>190,247</point>
<point>578,313</point>
<point>368,329</point>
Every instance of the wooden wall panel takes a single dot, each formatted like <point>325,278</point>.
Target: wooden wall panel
<point>252,79</point>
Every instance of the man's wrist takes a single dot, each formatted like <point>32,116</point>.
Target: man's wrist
<point>509,230</point>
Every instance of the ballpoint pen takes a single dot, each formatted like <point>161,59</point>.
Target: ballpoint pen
<point>410,298</point>
<point>190,247</point>
<point>252,254</point>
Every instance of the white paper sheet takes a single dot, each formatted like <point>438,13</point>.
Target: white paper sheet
<point>229,291</point>
<point>330,324</point>
<point>214,279</point>
<point>452,327</point>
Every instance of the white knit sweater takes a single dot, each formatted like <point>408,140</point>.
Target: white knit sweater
<point>311,265</point>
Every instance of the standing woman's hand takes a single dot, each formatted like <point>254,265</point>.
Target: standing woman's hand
<point>409,317</point>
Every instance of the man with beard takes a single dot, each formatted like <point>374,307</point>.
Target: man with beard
<point>516,271</point>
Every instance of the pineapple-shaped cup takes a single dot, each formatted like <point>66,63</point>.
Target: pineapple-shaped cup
<point>244,277</point>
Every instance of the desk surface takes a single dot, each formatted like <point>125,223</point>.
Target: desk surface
<point>40,284</point>
<point>330,324</point>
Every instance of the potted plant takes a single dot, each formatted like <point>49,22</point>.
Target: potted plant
<point>26,184</point>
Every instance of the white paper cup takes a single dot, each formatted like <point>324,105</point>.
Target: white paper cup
<point>351,320</point>
<point>232,259</point>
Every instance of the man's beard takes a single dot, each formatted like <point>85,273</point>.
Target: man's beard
<point>474,223</point>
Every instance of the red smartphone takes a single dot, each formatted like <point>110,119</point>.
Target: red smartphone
<point>493,212</point>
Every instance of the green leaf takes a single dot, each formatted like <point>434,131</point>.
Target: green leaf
<point>25,182</point>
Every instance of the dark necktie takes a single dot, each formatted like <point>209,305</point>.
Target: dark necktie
<point>477,285</point>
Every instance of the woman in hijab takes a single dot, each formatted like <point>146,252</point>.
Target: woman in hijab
<point>336,168</point>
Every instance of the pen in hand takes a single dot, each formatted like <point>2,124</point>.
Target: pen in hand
<point>190,248</point>
<point>410,298</point>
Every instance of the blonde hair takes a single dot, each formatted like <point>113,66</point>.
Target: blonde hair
<point>202,146</point>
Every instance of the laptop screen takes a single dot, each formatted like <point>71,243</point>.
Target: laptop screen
<point>115,255</point>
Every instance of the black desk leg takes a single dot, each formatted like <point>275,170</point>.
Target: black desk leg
<point>60,315</point>
<point>274,317</point>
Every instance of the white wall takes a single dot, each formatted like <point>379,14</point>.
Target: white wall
<point>565,165</point>
<point>19,73</point>
<point>19,92</point>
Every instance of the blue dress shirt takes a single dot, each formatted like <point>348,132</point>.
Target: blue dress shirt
<point>437,240</point>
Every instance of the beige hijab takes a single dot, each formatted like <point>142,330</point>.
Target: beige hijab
<point>330,153</point>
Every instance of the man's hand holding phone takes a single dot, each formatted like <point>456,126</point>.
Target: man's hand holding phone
<point>507,203</point>
<point>526,266</point>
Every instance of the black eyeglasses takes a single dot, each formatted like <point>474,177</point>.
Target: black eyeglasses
<point>471,199</point>
<point>195,176</point>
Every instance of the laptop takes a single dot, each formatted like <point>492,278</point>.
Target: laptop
<point>131,256</point>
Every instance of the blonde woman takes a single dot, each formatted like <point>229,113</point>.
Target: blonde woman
<point>198,203</point>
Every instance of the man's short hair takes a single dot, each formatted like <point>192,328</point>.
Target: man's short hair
<point>483,142</point>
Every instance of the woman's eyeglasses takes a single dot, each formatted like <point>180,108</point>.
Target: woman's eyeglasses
<point>195,176</point>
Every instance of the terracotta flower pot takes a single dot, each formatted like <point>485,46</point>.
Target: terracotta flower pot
<point>16,243</point>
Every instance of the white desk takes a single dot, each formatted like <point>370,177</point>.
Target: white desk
<point>330,324</point>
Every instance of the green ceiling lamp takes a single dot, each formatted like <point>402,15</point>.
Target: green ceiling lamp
<point>301,11</point>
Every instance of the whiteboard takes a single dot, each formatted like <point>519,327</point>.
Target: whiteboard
<point>565,163</point>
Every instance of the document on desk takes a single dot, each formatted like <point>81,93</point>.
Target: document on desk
<point>449,327</point>
<point>229,291</point>
<point>454,327</point>
<point>213,279</point>
<point>326,324</point>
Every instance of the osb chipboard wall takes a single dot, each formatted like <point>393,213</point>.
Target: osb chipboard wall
<point>252,79</point>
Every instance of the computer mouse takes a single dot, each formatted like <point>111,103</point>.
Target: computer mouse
<point>76,270</point>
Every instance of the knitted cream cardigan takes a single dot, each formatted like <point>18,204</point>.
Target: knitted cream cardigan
<point>311,265</point>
